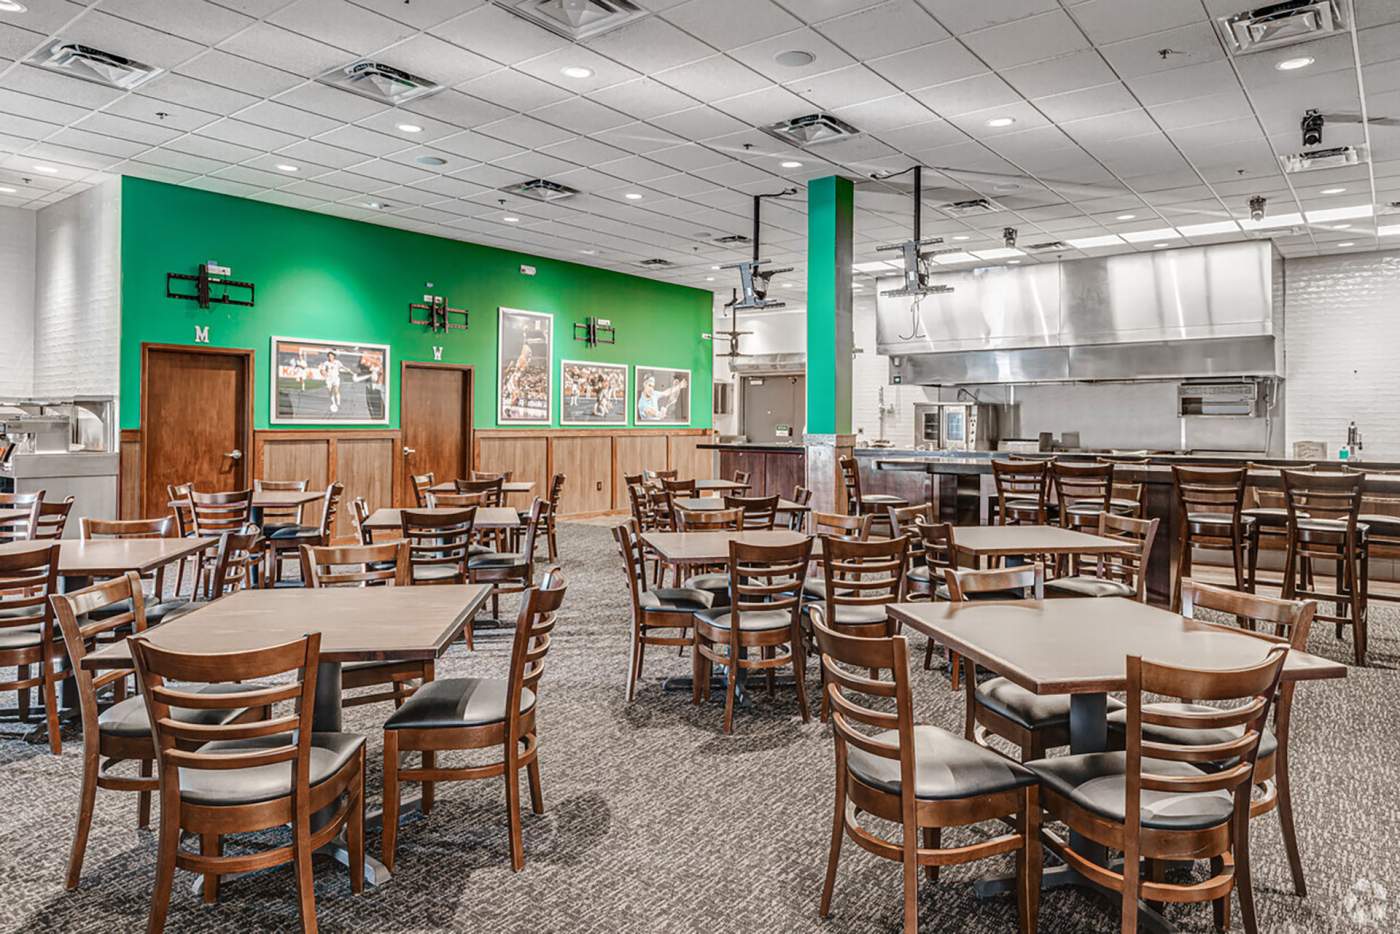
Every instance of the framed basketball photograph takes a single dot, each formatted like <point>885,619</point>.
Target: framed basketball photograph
<point>524,369</point>
<point>663,396</point>
<point>592,393</point>
<point>318,382</point>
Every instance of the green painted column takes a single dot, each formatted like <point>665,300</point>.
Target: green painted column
<point>830,230</point>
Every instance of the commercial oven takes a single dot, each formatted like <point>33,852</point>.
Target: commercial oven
<point>956,426</point>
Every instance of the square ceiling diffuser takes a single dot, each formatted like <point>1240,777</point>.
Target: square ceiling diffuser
<point>576,19</point>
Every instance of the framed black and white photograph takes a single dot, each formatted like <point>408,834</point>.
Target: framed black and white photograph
<point>317,382</point>
<point>524,367</point>
<point>592,393</point>
<point>663,396</point>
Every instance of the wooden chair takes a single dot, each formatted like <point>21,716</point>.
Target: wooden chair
<point>763,614</point>
<point>1209,504</point>
<point>234,563</point>
<point>509,571</point>
<point>52,519</point>
<point>383,565</point>
<point>478,713</point>
<point>211,515</point>
<point>275,518</point>
<point>122,731</point>
<point>679,487</point>
<point>858,503</point>
<point>760,512</point>
<point>1122,574</point>
<point>1286,621</point>
<point>219,779</point>
<point>918,580</point>
<point>421,482</point>
<point>1323,525</point>
<point>1154,803</point>
<point>457,500</point>
<point>920,777</point>
<point>712,580</point>
<point>1082,491</point>
<point>28,575</point>
<point>1023,492</point>
<point>1016,583</point>
<point>492,490</point>
<point>504,475</point>
<point>292,538</point>
<point>178,495</point>
<point>1380,513</point>
<point>551,514</point>
<point>657,476</point>
<point>741,477</point>
<point>797,519</point>
<point>938,551</point>
<point>359,515</point>
<point>438,544</point>
<point>839,524</point>
<point>660,615</point>
<point>21,528</point>
<point>156,607</point>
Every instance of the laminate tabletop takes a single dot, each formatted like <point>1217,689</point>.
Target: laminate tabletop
<point>727,485</point>
<point>713,547</point>
<point>355,623</point>
<point>8,515</point>
<point>110,557</point>
<point>1079,645</point>
<point>511,486</point>
<point>992,540</point>
<point>487,517</point>
<point>711,503</point>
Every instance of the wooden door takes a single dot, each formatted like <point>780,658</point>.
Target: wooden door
<point>435,418</point>
<point>196,421</point>
<point>587,462</point>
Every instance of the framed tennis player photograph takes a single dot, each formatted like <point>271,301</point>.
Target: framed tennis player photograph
<point>524,369</point>
<point>318,382</point>
<point>663,396</point>
<point>592,393</point>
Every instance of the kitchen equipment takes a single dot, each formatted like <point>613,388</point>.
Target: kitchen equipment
<point>65,448</point>
<point>957,426</point>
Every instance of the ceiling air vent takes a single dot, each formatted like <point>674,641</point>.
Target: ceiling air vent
<point>1336,157</point>
<point>657,263</point>
<point>379,82</point>
<point>89,64</point>
<point>811,130</point>
<point>970,208</point>
<point>1049,246</point>
<point>1279,24</point>
<point>542,189</point>
<point>732,238</point>
<point>576,19</point>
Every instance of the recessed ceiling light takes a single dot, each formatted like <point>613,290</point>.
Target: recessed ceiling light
<point>1158,246</point>
<point>787,285</point>
<point>511,219</point>
<point>1001,121</point>
<point>410,128</point>
<point>1013,262</point>
<point>430,160</point>
<point>588,252</point>
<point>709,278</point>
<point>1333,191</point>
<point>633,196</point>
<point>714,267</point>
<point>576,71</point>
<point>1340,226</point>
<point>6,191</point>
<point>1293,64</point>
<point>1347,243</point>
<point>795,58</point>
<point>284,167</point>
<point>1125,217</point>
<point>962,237</point>
<point>12,6</point>
<point>790,164</point>
<point>46,169</point>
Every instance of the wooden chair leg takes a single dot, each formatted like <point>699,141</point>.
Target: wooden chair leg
<point>210,845</point>
<point>50,688</point>
<point>799,668</point>
<point>517,843</point>
<point>1244,884</point>
<point>355,829</point>
<point>1220,908</point>
<point>390,823</point>
<point>87,800</point>
<point>933,839</point>
<point>910,865</point>
<point>729,689</point>
<point>143,798</point>
<point>165,860</point>
<point>928,655</point>
<point>954,661</point>
<point>22,674</point>
<point>532,771</point>
<point>301,860</point>
<point>1028,863</point>
<point>697,671</point>
<point>634,663</point>
<point>838,830</point>
<point>428,794</point>
<point>1130,891</point>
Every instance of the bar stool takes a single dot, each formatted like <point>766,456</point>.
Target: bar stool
<point>1023,492</point>
<point>1270,517</point>
<point>1209,501</point>
<point>1323,509</point>
<point>1085,490</point>
<point>872,504</point>
<point>1380,513</point>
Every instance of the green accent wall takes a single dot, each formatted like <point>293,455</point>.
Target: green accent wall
<point>329,278</point>
<point>830,228</point>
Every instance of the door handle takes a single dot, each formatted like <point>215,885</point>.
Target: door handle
<point>408,450</point>
<point>234,455</point>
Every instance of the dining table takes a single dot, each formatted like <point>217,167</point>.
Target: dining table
<point>1079,646</point>
<point>357,624</point>
<point>723,486</point>
<point>713,503</point>
<point>974,543</point>
<point>686,548</point>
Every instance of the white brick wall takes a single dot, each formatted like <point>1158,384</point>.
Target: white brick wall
<point>17,302</point>
<point>1343,345</point>
<point>77,321</point>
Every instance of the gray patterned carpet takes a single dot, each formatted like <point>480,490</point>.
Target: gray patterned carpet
<point>656,822</point>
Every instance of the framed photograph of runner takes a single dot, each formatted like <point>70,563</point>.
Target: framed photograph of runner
<point>524,367</point>
<point>592,393</point>
<point>663,396</point>
<point>318,382</point>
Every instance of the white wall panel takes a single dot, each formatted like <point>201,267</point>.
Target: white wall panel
<point>17,229</point>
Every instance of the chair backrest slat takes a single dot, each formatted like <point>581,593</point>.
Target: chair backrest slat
<point>356,565</point>
<point>759,512</point>
<point>438,538</point>
<point>281,515</point>
<point>491,489</point>
<point>1129,566</point>
<point>709,520</point>
<point>28,575</point>
<point>216,513</point>
<point>1029,578</point>
<point>835,523</point>
<point>848,663</point>
<point>539,609</point>
<point>869,573</point>
<point>421,482</point>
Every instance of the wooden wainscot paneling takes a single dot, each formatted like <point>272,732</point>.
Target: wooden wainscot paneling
<point>633,453</point>
<point>129,475</point>
<point>294,455</point>
<point>525,454</point>
<point>367,462</point>
<point>586,459</point>
<point>686,458</point>
<point>367,467</point>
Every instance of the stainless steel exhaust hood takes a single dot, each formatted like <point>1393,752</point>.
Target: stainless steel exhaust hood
<point>1198,311</point>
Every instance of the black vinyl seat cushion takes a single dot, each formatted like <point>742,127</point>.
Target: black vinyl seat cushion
<point>1332,526</point>
<point>848,614</point>
<point>434,572</point>
<point>676,599</point>
<point>749,620</point>
<point>452,703</point>
<point>943,593</point>
<point>128,718</point>
<point>1026,709</point>
<point>1270,515</point>
<point>1222,519</point>
<point>1184,736</point>
<point>1052,510</point>
<point>1377,524</point>
<point>496,560</point>
<point>156,612</point>
<point>1097,782</point>
<point>716,584</point>
<point>946,767</point>
<point>1085,585</point>
<point>299,533</point>
<point>329,754</point>
<point>1116,506</point>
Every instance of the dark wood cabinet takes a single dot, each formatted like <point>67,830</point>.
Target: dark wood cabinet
<point>770,472</point>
